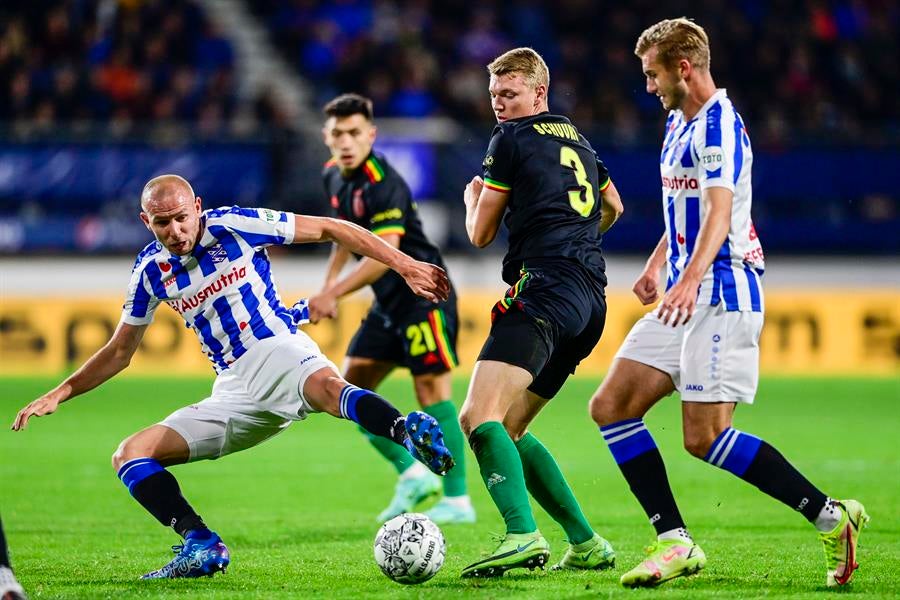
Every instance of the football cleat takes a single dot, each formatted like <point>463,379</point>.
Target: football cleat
<point>10,588</point>
<point>195,558</point>
<point>426,442</point>
<point>840,543</point>
<point>449,513</point>
<point>409,492</point>
<point>596,553</point>
<point>516,551</point>
<point>667,559</point>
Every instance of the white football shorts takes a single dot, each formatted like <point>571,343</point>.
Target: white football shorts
<point>257,397</point>
<point>713,358</point>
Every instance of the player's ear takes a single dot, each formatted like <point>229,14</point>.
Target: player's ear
<point>540,94</point>
<point>198,204</point>
<point>146,219</point>
<point>373,131</point>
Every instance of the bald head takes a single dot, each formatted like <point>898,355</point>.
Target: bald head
<point>171,211</point>
<point>164,190</point>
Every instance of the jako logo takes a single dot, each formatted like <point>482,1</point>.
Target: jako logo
<point>693,387</point>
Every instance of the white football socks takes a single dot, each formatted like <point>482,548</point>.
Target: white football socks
<point>829,516</point>
<point>680,534</point>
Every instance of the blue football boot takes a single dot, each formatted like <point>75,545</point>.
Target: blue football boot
<point>195,558</point>
<point>426,442</point>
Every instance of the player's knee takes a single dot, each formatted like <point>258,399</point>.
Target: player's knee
<point>466,422</point>
<point>128,449</point>
<point>698,443</point>
<point>603,409</point>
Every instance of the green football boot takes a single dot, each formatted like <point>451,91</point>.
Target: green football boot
<point>409,492</point>
<point>666,559</point>
<point>596,553</point>
<point>516,551</point>
<point>840,543</point>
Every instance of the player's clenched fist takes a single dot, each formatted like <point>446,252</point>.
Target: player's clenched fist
<point>646,288</point>
<point>44,405</point>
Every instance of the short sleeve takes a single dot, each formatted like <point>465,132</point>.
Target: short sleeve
<point>499,162</point>
<point>388,203</point>
<point>714,148</point>
<point>140,302</point>
<point>259,227</point>
<point>603,175</point>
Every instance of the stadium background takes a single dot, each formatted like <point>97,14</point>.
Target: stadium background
<point>97,96</point>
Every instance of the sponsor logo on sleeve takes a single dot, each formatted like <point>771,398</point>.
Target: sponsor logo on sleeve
<point>269,215</point>
<point>712,158</point>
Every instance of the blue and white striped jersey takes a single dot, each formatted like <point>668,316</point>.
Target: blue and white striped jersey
<point>224,288</point>
<point>711,150</point>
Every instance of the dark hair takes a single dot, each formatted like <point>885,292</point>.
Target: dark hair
<point>346,105</point>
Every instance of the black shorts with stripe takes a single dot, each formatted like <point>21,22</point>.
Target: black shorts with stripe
<point>547,323</point>
<point>421,338</point>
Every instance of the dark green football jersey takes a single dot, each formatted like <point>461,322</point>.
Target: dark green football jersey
<point>376,197</point>
<point>554,179</point>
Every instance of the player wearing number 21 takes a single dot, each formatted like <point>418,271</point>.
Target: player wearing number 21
<point>557,199</point>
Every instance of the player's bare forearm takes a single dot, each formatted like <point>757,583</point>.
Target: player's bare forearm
<point>611,207</point>
<point>99,368</point>
<point>714,229</point>
<point>426,280</point>
<point>367,272</point>
<point>658,256</point>
<point>351,237</point>
<point>336,261</point>
<point>484,211</point>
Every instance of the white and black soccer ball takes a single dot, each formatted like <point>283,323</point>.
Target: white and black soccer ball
<point>410,548</point>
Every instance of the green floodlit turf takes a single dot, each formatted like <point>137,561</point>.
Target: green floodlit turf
<point>297,512</point>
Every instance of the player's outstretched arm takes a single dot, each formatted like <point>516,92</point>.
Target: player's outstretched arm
<point>102,366</point>
<point>367,271</point>
<point>611,207</point>
<point>424,279</point>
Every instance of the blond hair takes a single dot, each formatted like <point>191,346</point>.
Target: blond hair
<point>524,61</point>
<point>676,39</point>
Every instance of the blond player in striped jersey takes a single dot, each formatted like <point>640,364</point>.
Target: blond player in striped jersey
<point>702,339</point>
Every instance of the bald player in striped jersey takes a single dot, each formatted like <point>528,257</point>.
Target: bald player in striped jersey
<point>703,339</point>
<point>211,267</point>
<point>400,330</point>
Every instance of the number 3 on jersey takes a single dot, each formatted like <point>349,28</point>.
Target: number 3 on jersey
<point>581,199</point>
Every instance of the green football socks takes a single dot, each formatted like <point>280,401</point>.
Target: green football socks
<point>501,470</point>
<point>445,413</point>
<point>395,454</point>
<point>548,486</point>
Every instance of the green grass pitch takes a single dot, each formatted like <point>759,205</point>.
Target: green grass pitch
<point>298,511</point>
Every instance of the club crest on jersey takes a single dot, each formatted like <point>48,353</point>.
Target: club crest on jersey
<point>218,254</point>
<point>359,205</point>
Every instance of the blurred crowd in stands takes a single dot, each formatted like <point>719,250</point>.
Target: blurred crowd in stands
<point>117,62</point>
<point>797,68</point>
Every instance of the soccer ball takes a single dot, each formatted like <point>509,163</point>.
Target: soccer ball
<point>410,548</point>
